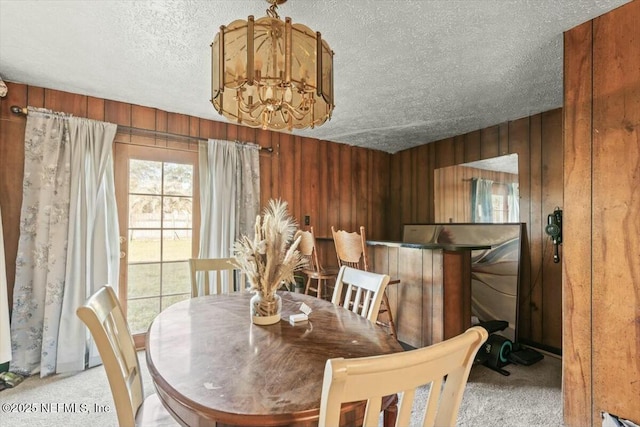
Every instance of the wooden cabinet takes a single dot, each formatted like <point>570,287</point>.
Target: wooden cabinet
<point>432,302</point>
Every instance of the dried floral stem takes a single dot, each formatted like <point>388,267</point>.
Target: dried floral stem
<point>270,259</point>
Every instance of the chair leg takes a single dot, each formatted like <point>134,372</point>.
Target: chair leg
<point>306,289</point>
<point>386,307</point>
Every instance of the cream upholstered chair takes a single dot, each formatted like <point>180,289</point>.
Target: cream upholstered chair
<point>105,320</point>
<point>362,291</point>
<point>224,276</point>
<point>313,270</point>
<point>372,378</point>
<point>351,250</point>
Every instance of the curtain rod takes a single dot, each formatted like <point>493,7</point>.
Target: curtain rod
<point>133,130</point>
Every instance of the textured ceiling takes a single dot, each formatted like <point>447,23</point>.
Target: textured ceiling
<point>407,72</point>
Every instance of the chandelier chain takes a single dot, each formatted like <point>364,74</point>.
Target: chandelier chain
<point>273,9</point>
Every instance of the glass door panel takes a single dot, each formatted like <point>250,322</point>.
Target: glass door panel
<point>158,189</point>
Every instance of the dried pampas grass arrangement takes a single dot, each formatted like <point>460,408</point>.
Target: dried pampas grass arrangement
<point>270,258</point>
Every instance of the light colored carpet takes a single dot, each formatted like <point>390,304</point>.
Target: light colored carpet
<point>529,397</point>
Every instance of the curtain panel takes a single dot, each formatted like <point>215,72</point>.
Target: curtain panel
<point>229,194</point>
<point>68,244</point>
<point>5,340</point>
<point>481,200</point>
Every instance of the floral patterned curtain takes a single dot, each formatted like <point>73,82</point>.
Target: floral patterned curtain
<point>68,243</point>
<point>229,194</point>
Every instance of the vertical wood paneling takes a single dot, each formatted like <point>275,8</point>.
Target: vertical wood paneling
<point>490,142</point>
<point>162,121</point>
<point>246,134</point>
<point>178,124</point>
<point>576,290</point>
<point>458,142</point>
<point>309,182</point>
<point>395,198</point>
<point>35,97</point>
<point>540,180</point>
<point>321,218</point>
<point>413,191</point>
<point>503,144</point>
<point>345,221</point>
<point>445,153</point>
<point>437,297</point>
<point>552,158</point>
<point>296,203</point>
<point>601,228</point>
<point>409,319</point>
<point>287,167</point>
<point>359,188</point>
<point>424,174</point>
<point>231,132</point>
<point>66,102</point>
<point>427,190</point>
<point>537,246</point>
<point>379,195</point>
<point>406,185</point>
<point>472,147</point>
<point>117,112</point>
<point>616,212</point>
<point>274,182</point>
<point>429,314</point>
<point>263,139</point>
<point>212,130</point>
<point>143,117</point>
<point>334,190</point>
<point>194,126</point>
<point>95,108</point>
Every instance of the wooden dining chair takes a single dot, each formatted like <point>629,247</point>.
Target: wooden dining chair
<point>360,291</point>
<point>372,378</point>
<point>106,322</point>
<point>351,250</point>
<point>227,277</point>
<point>314,270</point>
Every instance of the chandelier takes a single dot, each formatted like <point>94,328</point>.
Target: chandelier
<point>271,73</point>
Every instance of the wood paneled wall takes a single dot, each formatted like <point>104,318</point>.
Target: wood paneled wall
<point>601,283</point>
<point>334,184</point>
<point>538,142</point>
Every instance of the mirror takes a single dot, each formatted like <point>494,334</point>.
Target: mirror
<point>490,185</point>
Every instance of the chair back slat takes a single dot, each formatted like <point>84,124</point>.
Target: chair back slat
<point>106,322</point>
<point>217,275</point>
<point>371,378</point>
<point>362,291</point>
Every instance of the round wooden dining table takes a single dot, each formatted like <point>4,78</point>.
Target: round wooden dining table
<point>212,367</point>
